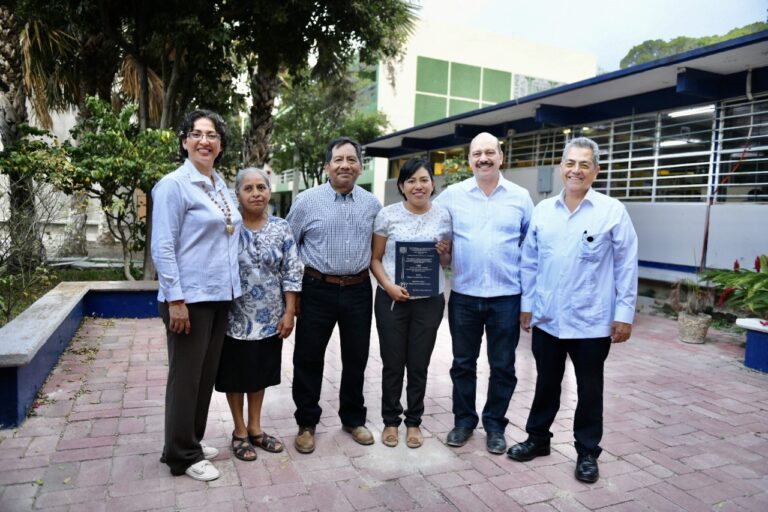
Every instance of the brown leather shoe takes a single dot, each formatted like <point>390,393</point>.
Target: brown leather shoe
<point>360,434</point>
<point>305,440</point>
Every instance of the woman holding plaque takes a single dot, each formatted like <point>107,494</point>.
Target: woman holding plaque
<point>407,325</point>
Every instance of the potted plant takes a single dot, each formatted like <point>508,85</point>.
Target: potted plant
<point>690,300</point>
<point>747,290</point>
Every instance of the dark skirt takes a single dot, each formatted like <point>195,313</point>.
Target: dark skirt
<point>247,366</point>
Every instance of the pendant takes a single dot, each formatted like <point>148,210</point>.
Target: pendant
<point>229,228</point>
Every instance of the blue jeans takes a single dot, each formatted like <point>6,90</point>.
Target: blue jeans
<point>468,317</point>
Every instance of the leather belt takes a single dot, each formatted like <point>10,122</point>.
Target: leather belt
<point>339,280</point>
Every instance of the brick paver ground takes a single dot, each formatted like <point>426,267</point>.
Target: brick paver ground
<point>686,428</point>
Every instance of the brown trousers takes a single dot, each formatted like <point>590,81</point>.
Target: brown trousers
<point>193,360</point>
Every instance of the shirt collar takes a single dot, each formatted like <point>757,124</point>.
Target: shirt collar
<point>196,176</point>
<point>589,197</point>
<point>470,184</point>
<point>335,196</point>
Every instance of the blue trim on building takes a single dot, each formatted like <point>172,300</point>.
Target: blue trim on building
<point>669,266</point>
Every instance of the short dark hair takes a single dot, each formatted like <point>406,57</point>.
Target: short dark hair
<point>410,168</point>
<point>188,123</point>
<point>335,143</point>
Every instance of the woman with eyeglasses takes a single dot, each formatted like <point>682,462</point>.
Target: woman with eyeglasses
<point>195,232</point>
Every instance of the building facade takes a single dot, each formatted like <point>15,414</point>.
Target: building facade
<point>684,143</point>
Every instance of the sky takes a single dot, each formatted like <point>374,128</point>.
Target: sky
<point>607,29</point>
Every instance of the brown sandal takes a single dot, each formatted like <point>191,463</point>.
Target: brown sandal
<point>389,436</point>
<point>266,442</point>
<point>243,449</point>
<point>414,439</point>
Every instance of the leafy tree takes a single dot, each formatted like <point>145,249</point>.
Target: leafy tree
<point>311,114</point>
<point>274,37</point>
<point>31,162</point>
<point>112,161</point>
<point>65,59</point>
<point>654,49</point>
<point>456,169</point>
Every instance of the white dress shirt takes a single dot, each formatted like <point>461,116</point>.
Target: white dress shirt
<point>487,233</point>
<point>579,269</point>
<point>196,259</point>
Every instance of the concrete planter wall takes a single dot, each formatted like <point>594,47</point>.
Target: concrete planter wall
<point>33,341</point>
<point>756,354</point>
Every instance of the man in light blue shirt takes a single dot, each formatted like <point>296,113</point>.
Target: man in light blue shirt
<point>490,216</point>
<point>579,276</point>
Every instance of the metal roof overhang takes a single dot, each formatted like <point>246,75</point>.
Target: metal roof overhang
<point>725,70</point>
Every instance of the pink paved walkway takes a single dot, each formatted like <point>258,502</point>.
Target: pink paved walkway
<point>686,429</point>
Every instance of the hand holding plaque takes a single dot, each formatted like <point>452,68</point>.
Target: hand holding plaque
<point>417,268</point>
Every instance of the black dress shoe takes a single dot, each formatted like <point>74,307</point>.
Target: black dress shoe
<point>458,436</point>
<point>495,442</point>
<point>586,469</point>
<point>527,450</point>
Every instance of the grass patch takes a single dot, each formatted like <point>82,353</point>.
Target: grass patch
<point>54,276</point>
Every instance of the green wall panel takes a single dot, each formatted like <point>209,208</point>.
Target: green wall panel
<point>465,81</point>
<point>428,108</point>
<point>496,85</point>
<point>460,106</point>
<point>431,75</point>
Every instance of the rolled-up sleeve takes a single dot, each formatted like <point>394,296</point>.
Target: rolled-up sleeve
<point>625,268</point>
<point>167,218</point>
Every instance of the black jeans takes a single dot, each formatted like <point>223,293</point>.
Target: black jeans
<point>588,357</point>
<point>323,305</point>
<point>407,333</point>
<point>193,360</point>
<point>468,317</point>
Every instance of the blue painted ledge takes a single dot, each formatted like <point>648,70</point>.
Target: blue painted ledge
<point>31,343</point>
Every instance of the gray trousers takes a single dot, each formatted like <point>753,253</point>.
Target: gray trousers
<point>193,360</point>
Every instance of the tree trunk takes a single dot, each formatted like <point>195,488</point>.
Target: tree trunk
<point>26,248</point>
<point>74,240</point>
<point>265,87</point>
<point>148,271</point>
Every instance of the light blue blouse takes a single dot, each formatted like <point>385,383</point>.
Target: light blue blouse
<point>269,266</point>
<point>196,259</point>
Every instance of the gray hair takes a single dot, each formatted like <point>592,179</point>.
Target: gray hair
<point>584,143</point>
<point>241,174</point>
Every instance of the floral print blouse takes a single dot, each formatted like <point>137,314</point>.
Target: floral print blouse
<point>269,266</point>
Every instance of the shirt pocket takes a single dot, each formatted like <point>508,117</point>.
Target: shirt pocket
<point>592,248</point>
<point>587,307</point>
<point>542,307</point>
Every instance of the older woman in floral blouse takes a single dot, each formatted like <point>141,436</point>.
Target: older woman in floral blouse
<point>270,277</point>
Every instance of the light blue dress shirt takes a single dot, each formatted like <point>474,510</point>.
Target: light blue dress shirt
<point>196,259</point>
<point>579,268</point>
<point>333,231</point>
<point>487,234</point>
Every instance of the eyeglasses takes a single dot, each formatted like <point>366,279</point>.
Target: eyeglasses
<point>211,136</point>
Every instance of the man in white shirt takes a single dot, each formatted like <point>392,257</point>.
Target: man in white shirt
<point>489,216</point>
<point>579,276</point>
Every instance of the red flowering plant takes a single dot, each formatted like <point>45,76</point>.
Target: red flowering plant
<point>742,288</point>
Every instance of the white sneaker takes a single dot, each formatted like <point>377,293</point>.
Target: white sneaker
<point>203,471</point>
<point>209,452</point>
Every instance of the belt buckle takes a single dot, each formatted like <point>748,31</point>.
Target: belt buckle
<point>343,280</point>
